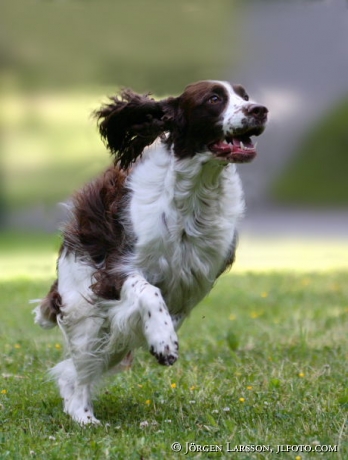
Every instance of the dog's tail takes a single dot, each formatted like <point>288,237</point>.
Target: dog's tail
<point>48,309</point>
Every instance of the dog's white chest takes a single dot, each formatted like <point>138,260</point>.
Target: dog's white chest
<point>184,218</point>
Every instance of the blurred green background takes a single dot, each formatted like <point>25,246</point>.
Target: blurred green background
<point>59,59</point>
<point>145,44</point>
<point>317,173</point>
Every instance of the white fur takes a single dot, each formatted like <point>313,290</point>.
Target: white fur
<point>184,220</point>
<point>233,115</point>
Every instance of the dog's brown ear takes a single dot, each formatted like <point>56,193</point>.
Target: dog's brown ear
<point>131,122</point>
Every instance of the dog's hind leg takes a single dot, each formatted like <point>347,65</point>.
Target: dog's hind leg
<point>77,375</point>
<point>82,324</point>
<point>76,396</point>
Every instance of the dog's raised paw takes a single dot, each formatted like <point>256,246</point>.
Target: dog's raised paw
<point>166,354</point>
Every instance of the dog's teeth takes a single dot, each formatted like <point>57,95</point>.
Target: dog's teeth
<point>255,145</point>
<point>242,146</point>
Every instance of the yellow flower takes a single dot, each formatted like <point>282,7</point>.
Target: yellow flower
<point>139,385</point>
<point>148,402</point>
<point>232,317</point>
<point>241,400</point>
<point>301,374</point>
<point>17,346</point>
<point>58,346</point>
<point>173,385</point>
<point>264,294</point>
<point>298,457</point>
<point>256,314</point>
<point>192,388</point>
<point>3,392</point>
<point>249,387</point>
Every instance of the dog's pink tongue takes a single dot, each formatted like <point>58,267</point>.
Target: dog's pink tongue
<point>221,147</point>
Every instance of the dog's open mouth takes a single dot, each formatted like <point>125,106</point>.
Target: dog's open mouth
<point>235,148</point>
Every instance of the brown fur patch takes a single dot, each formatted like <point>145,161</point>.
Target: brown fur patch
<point>130,122</point>
<point>51,304</point>
<point>96,231</point>
<point>197,118</point>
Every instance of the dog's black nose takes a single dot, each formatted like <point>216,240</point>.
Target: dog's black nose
<point>257,111</point>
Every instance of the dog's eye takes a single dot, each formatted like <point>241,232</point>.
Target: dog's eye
<point>246,97</point>
<point>214,99</point>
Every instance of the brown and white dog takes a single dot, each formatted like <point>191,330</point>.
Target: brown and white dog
<point>147,240</point>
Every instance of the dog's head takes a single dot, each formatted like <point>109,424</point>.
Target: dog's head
<point>209,116</point>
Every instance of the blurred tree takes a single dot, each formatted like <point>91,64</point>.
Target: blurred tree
<point>158,44</point>
<point>317,172</point>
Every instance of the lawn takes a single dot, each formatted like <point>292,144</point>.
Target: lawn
<point>262,362</point>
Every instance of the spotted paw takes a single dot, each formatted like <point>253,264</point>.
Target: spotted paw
<point>166,353</point>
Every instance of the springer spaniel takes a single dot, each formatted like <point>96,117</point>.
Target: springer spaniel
<point>147,240</point>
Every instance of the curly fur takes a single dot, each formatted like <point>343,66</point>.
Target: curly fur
<point>131,122</point>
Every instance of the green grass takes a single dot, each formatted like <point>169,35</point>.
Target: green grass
<point>316,175</point>
<point>262,361</point>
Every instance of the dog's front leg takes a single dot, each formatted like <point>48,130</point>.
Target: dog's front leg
<point>157,324</point>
